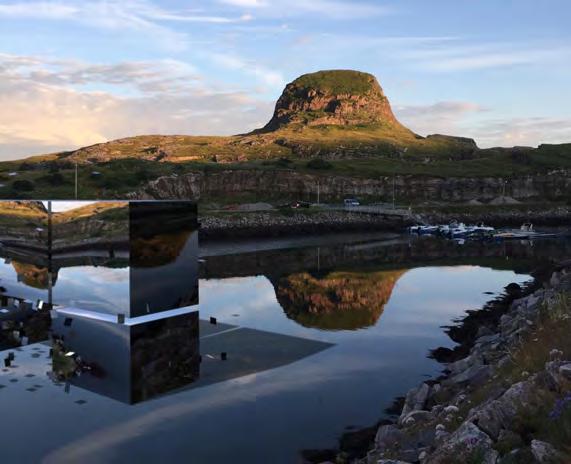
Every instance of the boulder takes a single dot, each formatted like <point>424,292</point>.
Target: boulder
<point>464,445</point>
<point>483,330</point>
<point>495,415</point>
<point>388,436</point>
<point>465,363</point>
<point>475,375</point>
<point>565,371</point>
<point>544,453</point>
<point>415,400</point>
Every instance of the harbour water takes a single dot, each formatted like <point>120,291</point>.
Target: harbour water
<point>317,340</point>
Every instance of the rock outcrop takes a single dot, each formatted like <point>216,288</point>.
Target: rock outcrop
<point>338,97</point>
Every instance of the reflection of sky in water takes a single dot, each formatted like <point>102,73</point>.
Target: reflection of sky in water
<point>269,416</point>
<point>422,300</point>
<point>94,288</point>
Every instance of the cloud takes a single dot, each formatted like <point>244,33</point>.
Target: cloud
<point>442,117</point>
<point>246,3</point>
<point>140,16</point>
<point>457,55</point>
<point>443,53</point>
<point>46,10</point>
<point>269,77</point>
<point>47,105</point>
<point>523,131</point>
<point>470,119</point>
<point>332,9</point>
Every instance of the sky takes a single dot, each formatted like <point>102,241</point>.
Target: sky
<point>75,72</point>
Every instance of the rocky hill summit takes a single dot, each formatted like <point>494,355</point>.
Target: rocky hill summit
<point>336,97</point>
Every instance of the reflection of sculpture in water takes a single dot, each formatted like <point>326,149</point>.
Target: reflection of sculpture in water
<point>338,300</point>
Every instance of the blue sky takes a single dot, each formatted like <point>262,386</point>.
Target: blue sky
<point>73,73</point>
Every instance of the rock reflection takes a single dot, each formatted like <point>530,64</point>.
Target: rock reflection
<point>337,300</point>
<point>32,275</point>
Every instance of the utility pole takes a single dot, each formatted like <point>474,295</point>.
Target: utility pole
<point>50,264</point>
<point>76,180</point>
<point>394,192</point>
<point>318,193</point>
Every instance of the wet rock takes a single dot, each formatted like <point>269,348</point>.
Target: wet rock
<point>544,453</point>
<point>463,445</point>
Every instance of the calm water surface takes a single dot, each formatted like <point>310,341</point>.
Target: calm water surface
<point>339,331</point>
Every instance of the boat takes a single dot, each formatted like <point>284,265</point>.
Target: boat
<point>526,231</point>
<point>423,229</point>
<point>453,230</point>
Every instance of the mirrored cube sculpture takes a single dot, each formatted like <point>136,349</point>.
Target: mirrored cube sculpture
<point>125,258</point>
<point>132,362</point>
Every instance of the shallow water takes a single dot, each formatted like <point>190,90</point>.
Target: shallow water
<point>318,339</point>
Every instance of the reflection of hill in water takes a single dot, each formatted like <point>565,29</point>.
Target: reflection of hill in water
<point>158,250</point>
<point>338,300</point>
<point>32,275</point>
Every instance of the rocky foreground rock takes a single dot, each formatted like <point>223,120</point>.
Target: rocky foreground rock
<point>488,408</point>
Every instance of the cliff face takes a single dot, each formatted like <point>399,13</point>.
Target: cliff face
<point>333,98</point>
<point>293,185</point>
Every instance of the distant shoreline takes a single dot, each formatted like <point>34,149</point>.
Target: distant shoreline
<point>271,225</point>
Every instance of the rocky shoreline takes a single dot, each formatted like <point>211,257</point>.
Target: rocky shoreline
<point>270,224</point>
<point>263,224</point>
<point>505,396</point>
